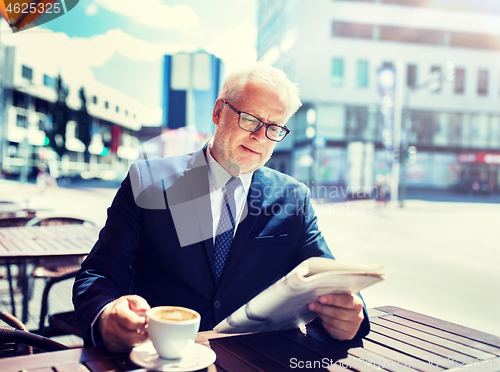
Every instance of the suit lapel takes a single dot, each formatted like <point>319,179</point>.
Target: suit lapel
<point>247,221</point>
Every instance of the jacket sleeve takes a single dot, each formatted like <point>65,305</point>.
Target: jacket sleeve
<point>105,274</point>
<point>311,243</point>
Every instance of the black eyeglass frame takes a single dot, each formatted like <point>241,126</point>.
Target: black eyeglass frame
<point>287,131</point>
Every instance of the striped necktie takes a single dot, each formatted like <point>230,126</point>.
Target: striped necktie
<point>225,229</point>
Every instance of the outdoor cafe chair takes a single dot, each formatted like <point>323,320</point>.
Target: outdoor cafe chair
<point>55,270</point>
<point>63,323</point>
<point>15,334</point>
<point>54,267</point>
<point>12,222</point>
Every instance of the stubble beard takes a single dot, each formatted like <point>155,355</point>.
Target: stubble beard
<point>231,161</point>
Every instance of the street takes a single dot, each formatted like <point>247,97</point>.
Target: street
<point>441,258</point>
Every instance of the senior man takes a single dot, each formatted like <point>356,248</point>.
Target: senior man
<point>211,229</point>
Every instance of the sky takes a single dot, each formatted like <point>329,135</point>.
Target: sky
<point>121,43</point>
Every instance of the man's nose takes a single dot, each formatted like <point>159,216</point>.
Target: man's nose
<point>260,135</point>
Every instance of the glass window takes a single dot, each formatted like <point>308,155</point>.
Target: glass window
<point>476,41</point>
<point>482,82</point>
<point>94,100</point>
<point>268,31</point>
<point>411,75</point>
<point>331,122</point>
<point>424,126</point>
<point>363,71</point>
<point>48,81</point>
<point>480,124</point>
<point>299,132</point>
<point>441,134</point>
<point>467,130</point>
<point>355,30</point>
<point>117,109</point>
<point>27,73</point>
<point>459,80</point>
<point>412,35</point>
<point>19,99</point>
<point>41,106</point>
<point>436,70</point>
<point>495,132</point>
<point>356,123</point>
<point>455,124</point>
<point>106,104</point>
<point>337,78</point>
<point>21,121</point>
<point>371,131</point>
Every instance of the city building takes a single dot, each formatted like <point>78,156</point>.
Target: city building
<point>336,50</point>
<point>191,83</point>
<point>28,92</point>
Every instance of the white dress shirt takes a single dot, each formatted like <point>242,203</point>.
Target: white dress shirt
<point>218,177</point>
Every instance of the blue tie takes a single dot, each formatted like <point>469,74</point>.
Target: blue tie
<point>225,229</point>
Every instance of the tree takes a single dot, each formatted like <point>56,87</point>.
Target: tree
<point>84,122</point>
<point>60,114</point>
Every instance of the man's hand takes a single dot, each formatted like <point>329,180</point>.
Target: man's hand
<point>341,314</point>
<point>122,323</point>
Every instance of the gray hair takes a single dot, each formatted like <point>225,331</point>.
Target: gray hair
<point>262,73</point>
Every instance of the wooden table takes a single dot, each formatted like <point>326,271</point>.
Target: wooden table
<point>23,245</point>
<point>400,341</point>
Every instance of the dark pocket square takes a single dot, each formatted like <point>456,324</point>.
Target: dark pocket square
<point>270,240</point>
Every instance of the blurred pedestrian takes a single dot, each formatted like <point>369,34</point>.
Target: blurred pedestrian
<point>44,179</point>
<point>381,190</point>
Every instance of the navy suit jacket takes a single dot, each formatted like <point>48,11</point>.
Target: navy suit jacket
<point>158,242</point>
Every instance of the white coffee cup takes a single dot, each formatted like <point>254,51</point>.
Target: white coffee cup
<point>172,329</point>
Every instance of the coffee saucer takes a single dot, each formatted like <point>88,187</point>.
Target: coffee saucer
<point>195,357</point>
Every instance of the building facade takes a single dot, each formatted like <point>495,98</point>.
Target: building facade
<point>191,83</point>
<point>334,50</point>
<point>28,92</point>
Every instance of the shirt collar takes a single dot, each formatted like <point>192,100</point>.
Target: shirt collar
<point>219,176</point>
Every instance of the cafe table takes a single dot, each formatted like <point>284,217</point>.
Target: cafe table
<point>23,245</point>
<point>400,341</point>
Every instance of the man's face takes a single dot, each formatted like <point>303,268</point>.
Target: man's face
<point>237,150</point>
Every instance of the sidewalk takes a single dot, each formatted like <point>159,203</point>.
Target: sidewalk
<point>83,202</point>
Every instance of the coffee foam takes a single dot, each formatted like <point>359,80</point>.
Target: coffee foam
<point>174,314</point>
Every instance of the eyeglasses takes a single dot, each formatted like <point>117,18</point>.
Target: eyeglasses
<point>250,123</point>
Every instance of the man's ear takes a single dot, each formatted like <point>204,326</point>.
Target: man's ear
<point>219,105</point>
